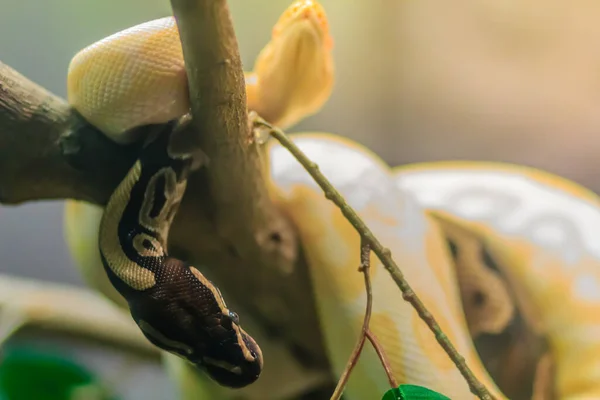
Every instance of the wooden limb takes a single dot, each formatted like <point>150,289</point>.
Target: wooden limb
<point>47,151</point>
<point>234,179</point>
<point>230,197</point>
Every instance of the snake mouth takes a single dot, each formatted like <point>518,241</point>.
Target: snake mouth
<point>230,375</point>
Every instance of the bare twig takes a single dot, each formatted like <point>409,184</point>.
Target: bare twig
<point>365,265</point>
<point>384,255</point>
<point>382,357</point>
<point>365,252</point>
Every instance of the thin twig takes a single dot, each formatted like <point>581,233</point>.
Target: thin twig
<point>384,255</point>
<point>365,252</point>
<point>382,357</point>
<point>365,265</point>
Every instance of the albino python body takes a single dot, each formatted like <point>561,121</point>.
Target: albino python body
<point>543,231</point>
<point>137,76</point>
<point>539,229</point>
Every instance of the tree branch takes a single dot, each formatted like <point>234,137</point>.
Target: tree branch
<point>235,184</point>
<point>47,151</point>
<point>226,222</point>
<point>365,266</point>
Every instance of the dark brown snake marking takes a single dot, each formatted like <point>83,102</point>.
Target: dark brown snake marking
<point>513,354</point>
<point>174,305</point>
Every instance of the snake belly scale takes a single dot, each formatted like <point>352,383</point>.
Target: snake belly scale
<point>174,305</point>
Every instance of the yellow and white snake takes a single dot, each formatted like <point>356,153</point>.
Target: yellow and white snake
<point>479,243</point>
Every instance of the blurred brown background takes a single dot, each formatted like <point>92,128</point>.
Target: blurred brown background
<point>500,80</point>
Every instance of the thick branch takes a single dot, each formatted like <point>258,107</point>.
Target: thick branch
<point>41,140</point>
<point>226,223</point>
<point>244,217</point>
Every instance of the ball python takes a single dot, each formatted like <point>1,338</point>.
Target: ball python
<point>175,306</point>
<point>428,215</point>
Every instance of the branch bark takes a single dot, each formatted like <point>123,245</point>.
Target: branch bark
<point>244,216</point>
<point>47,151</point>
<point>226,222</point>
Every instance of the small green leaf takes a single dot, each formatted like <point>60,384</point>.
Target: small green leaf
<point>412,392</point>
<point>27,374</point>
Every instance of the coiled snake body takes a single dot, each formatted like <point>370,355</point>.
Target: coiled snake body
<point>483,245</point>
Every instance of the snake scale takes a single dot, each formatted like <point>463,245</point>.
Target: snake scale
<point>496,252</point>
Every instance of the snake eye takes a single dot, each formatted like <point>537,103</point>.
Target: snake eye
<point>234,317</point>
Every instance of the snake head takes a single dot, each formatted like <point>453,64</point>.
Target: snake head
<point>185,314</point>
<point>294,72</point>
<point>302,13</point>
<point>236,362</point>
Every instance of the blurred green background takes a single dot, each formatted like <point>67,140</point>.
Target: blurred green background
<point>500,80</point>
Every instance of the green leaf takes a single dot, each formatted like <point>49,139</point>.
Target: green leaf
<point>27,374</point>
<point>412,392</point>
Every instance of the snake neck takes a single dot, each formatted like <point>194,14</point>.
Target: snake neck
<point>173,304</point>
<point>136,221</point>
